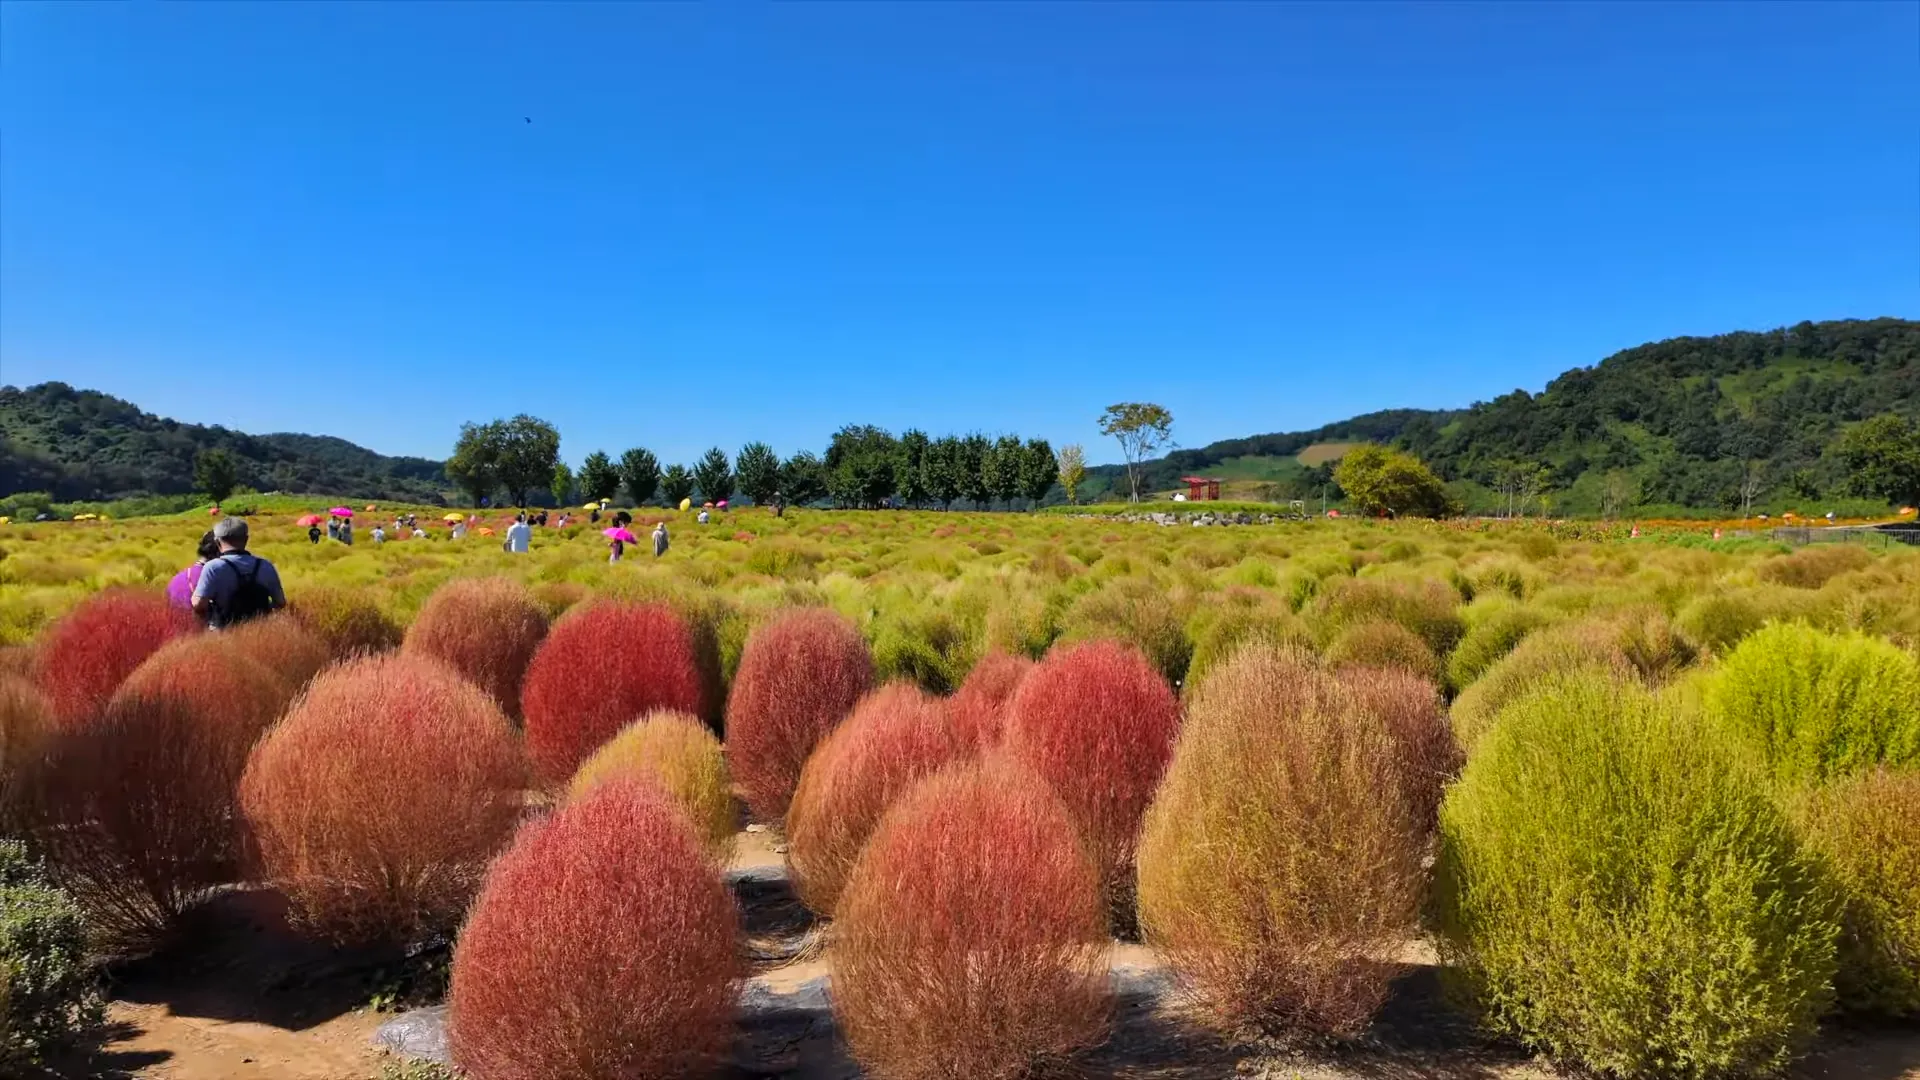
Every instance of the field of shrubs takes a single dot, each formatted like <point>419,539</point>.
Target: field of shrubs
<point>1648,807</point>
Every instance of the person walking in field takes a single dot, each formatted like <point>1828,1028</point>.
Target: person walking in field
<point>519,535</point>
<point>617,548</point>
<point>659,539</point>
<point>379,535</point>
<point>236,586</point>
<point>346,533</point>
<point>180,589</point>
<point>313,534</point>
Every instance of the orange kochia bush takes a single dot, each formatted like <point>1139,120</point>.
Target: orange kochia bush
<point>799,675</point>
<point>896,735</point>
<point>81,659</point>
<point>601,668</point>
<point>1098,723</point>
<point>487,629</point>
<point>602,947</point>
<point>376,802</point>
<point>971,939</point>
<point>979,706</point>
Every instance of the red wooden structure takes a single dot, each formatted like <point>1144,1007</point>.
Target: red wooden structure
<point>1201,489</point>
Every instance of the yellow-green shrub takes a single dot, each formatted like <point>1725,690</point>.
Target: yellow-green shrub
<point>1224,629</point>
<point>1618,891</point>
<point>1866,829</point>
<point>1136,611</point>
<point>676,751</point>
<point>1719,620</point>
<point>1273,873</point>
<point>1490,636</point>
<point>349,622</point>
<point>1813,704</point>
<point>1635,645</point>
<point>1424,607</point>
<point>1812,567</point>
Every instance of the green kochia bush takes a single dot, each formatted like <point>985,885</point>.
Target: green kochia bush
<point>1617,890</point>
<point>1866,830</point>
<point>1814,705</point>
<point>48,998</point>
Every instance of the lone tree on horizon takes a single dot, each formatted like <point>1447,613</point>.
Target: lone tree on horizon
<point>1142,429</point>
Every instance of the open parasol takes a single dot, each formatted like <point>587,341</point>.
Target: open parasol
<point>620,534</point>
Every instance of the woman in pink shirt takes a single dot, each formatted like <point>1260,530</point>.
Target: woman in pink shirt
<point>180,589</point>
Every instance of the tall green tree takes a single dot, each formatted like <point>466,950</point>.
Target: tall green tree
<point>802,479</point>
<point>1378,480</point>
<point>860,465</point>
<point>640,472</point>
<point>1073,469</point>
<point>527,449</point>
<point>1142,429</point>
<point>1038,470</point>
<point>758,469</point>
<point>909,467</point>
<point>971,469</point>
<point>1882,456</point>
<point>216,473</point>
<point>676,483</point>
<point>474,467</point>
<point>714,473</point>
<point>598,478</point>
<point>1000,469</point>
<point>940,471</point>
<point>562,486</point>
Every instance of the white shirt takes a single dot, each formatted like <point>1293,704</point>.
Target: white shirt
<point>519,536</point>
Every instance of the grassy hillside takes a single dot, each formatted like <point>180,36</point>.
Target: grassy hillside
<point>80,445</point>
<point>1673,425</point>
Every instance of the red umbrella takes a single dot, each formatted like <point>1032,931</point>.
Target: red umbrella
<point>310,519</point>
<point>620,534</point>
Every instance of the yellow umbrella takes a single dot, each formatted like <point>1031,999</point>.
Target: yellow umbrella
<point>454,517</point>
<point>591,506</point>
<point>684,503</point>
<point>6,520</point>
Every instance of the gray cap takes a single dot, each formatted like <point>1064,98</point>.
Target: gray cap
<point>233,530</point>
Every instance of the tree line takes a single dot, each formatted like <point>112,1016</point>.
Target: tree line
<point>864,466</point>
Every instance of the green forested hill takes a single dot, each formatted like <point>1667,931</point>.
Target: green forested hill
<point>1680,423</point>
<point>84,445</point>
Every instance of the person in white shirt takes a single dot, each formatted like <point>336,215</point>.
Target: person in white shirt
<point>379,535</point>
<point>519,535</point>
<point>459,530</point>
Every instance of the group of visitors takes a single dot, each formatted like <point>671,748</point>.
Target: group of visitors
<point>227,585</point>
<point>617,548</point>
<point>340,529</point>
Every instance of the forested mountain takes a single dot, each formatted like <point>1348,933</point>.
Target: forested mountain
<point>85,445</point>
<point>1685,422</point>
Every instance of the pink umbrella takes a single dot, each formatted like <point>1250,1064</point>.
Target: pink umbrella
<point>340,511</point>
<point>620,534</point>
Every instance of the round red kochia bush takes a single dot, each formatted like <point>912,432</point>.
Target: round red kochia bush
<point>84,655</point>
<point>25,720</point>
<point>896,735</point>
<point>601,668</point>
<point>377,800</point>
<point>799,675</point>
<point>134,804</point>
<point>602,947</point>
<point>978,709</point>
<point>282,645</point>
<point>487,629</point>
<point>971,938</point>
<point>1098,723</point>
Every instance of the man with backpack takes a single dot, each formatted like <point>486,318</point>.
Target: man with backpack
<point>236,586</point>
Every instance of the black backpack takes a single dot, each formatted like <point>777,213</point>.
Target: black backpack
<point>250,598</point>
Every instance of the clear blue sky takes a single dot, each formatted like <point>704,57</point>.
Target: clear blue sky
<point>732,221</point>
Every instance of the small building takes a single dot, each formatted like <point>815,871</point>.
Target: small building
<point>1201,489</point>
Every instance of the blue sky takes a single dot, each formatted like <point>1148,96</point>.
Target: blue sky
<point>735,221</point>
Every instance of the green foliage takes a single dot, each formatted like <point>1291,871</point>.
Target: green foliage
<point>1813,705</point>
<point>1882,456</point>
<point>759,472</point>
<point>1617,891</point>
<point>940,471</point>
<point>1038,469</point>
<point>909,467</point>
<point>1490,636</point>
<point>860,464</point>
<point>970,468</point>
<point>803,479</point>
<point>418,1069</point>
<point>475,465</point>
<point>561,487</point>
<point>1379,481</point>
<point>714,474</point>
<point>676,484</point>
<point>639,473</point>
<point>215,473</point>
<point>80,445</point>
<point>1000,469</point>
<point>1221,630</point>
<point>51,999</point>
<point>1719,620</point>
<point>1141,428</point>
<point>598,478</point>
